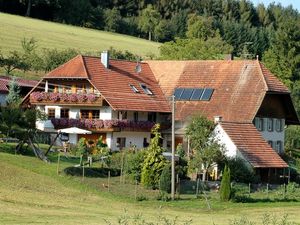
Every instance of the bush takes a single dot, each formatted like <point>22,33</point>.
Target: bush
<point>225,189</point>
<point>81,147</point>
<point>240,173</point>
<point>134,164</point>
<point>165,179</point>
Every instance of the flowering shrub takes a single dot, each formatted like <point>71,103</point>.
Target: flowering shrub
<point>94,124</point>
<point>91,97</point>
<point>64,97</point>
<point>73,98</point>
<point>82,98</point>
<point>37,96</point>
<point>53,96</point>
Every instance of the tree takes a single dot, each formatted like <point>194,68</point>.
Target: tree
<point>186,49</point>
<point>149,19</point>
<point>154,161</point>
<point>112,19</point>
<point>200,27</point>
<point>206,149</point>
<point>13,96</point>
<point>283,57</point>
<point>13,61</point>
<point>225,189</point>
<point>165,179</point>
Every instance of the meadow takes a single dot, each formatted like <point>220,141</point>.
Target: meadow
<point>32,192</point>
<point>54,35</point>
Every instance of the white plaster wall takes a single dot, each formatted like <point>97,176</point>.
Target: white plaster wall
<point>74,113</point>
<point>3,99</point>
<point>106,113</point>
<point>136,138</point>
<point>224,139</point>
<point>109,139</point>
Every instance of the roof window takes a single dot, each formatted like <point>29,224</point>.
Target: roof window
<point>133,88</point>
<point>146,89</point>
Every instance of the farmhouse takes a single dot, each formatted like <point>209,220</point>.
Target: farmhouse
<point>120,101</point>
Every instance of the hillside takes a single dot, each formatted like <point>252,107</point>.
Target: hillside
<point>54,35</point>
<point>31,192</point>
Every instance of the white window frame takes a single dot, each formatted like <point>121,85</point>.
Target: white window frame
<point>279,125</point>
<point>270,142</point>
<point>270,124</point>
<point>259,123</point>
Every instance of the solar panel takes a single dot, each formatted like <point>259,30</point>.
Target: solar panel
<point>197,94</point>
<point>177,93</point>
<point>207,94</point>
<point>187,93</point>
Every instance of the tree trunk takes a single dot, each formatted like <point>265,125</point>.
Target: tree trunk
<point>204,175</point>
<point>28,11</point>
<point>150,36</point>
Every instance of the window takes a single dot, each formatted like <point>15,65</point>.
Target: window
<point>270,124</point>
<point>122,115</point>
<point>279,146</point>
<point>121,142</point>
<point>187,93</point>
<point>279,125</point>
<point>135,116</point>
<point>146,89</point>
<point>51,113</point>
<point>270,143</point>
<point>64,113</point>
<point>89,114</point>
<point>133,88</point>
<point>152,116</point>
<point>259,123</point>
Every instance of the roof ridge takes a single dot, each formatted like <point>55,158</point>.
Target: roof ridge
<point>84,66</point>
<point>262,74</point>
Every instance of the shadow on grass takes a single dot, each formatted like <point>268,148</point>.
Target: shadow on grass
<point>247,199</point>
<point>91,172</point>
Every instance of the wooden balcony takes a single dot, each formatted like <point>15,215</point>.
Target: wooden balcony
<point>51,98</point>
<point>98,125</point>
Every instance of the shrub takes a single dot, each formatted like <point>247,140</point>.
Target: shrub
<point>154,161</point>
<point>225,189</point>
<point>134,164</point>
<point>239,172</point>
<point>165,179</point>
<point>81,147</point>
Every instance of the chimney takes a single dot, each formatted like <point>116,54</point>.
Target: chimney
<point>217,119</point>
<point>105,58</point>
<point>228,57</point>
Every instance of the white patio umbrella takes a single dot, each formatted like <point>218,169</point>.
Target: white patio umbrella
<point>74,130</point>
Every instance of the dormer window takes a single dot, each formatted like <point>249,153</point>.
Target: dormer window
<point>133,88</point>
<point>146,89</point>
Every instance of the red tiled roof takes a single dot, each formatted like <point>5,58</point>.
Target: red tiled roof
<point>239,87</point>
<point>113,83</point>
<point>74,68</point>
<point>273,83</point>
<point>5,80</point>
<point>252,146</point>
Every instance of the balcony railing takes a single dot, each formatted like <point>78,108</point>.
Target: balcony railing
<point>51,98</point>
<point>103,125</point>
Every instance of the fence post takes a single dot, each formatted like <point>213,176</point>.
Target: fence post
<point>58,162</point>
<point>178,188</point>
<point>249,189</point>
<point>268,190</point>
<point>83,172</point>
<point>197,188</point>
<point>108,180</point>
<point>135,191</point>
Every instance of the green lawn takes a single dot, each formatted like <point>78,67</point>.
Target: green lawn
<point>31,192</point>
<point>54,35</point>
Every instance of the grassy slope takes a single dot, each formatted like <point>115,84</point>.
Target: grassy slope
<point>31,192</point>
<point>54,35</point>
